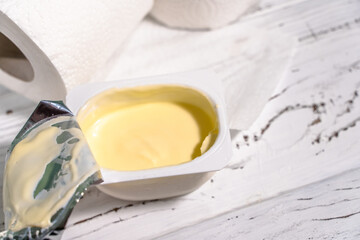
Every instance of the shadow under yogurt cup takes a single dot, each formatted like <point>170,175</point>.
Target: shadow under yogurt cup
<point>192,100</point>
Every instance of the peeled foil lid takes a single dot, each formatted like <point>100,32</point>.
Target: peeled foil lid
<point>62,174</point>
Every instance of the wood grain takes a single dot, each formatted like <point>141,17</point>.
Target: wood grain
<point>329,209</point>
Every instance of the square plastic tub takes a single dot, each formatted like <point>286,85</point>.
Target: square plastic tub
<point>167,181</point>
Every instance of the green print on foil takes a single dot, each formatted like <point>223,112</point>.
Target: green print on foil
<point>54,170</point>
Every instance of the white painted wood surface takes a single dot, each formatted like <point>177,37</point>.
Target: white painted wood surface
<point>308,131</point>
<point>329,209</point>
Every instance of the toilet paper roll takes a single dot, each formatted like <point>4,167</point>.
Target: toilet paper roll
<point>48,47</point>
<point>200,14</point>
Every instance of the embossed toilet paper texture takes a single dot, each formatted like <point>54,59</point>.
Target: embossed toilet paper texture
<point>67,42</point>
<point>249,61</point>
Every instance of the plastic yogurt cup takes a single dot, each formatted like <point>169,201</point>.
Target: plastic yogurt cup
<point>166,181</point>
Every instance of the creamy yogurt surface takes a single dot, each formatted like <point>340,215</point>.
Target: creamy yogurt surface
<point>148,127</point>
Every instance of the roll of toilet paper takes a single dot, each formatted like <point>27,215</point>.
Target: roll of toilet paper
<point>48,47</point>
<point>200,14</point>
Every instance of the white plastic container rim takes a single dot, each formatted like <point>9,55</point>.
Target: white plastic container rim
<point>203,81</point>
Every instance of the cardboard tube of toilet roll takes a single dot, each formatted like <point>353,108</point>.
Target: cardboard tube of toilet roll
<point>48,47</point>
<point>200,14</point>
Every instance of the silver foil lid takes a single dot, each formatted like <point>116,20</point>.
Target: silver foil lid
<point>64,176</point>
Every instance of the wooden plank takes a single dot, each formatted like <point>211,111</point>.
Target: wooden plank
<point>326,210</point>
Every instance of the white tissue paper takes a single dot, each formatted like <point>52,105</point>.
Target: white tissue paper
<point>249,61</point>
<point>200,14</point>
<point>65,42</point>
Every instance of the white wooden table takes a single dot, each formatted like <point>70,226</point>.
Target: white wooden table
<point>295,173</point>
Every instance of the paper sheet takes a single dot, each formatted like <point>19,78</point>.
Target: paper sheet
<point>249,61</point>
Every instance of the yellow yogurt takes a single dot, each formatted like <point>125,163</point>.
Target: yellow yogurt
<point>148,127</point>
